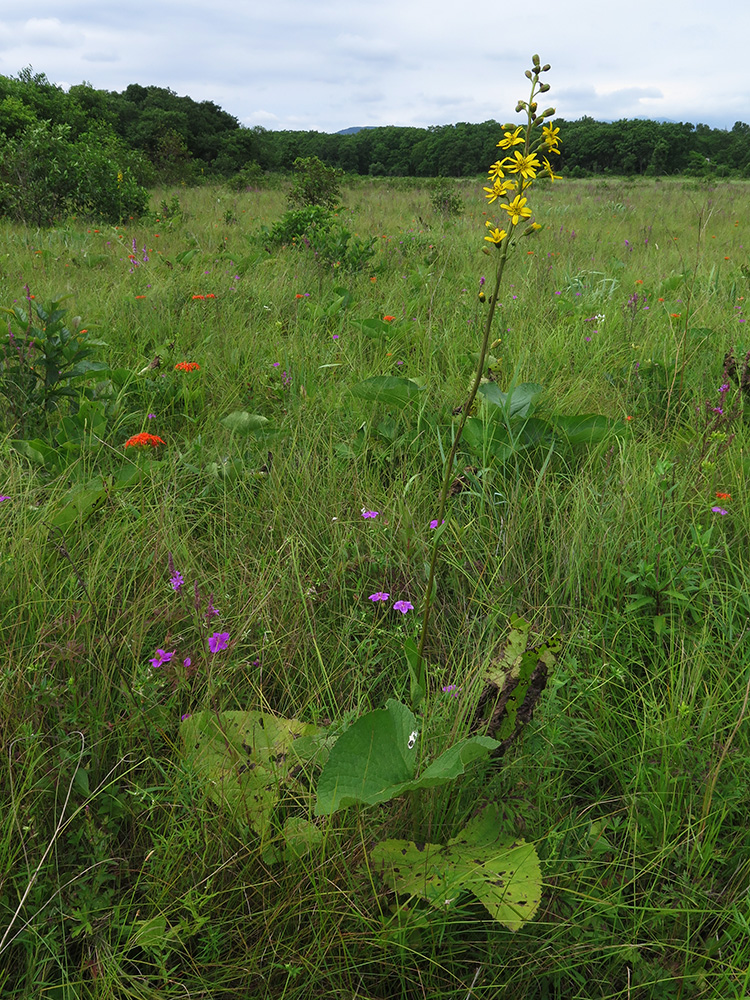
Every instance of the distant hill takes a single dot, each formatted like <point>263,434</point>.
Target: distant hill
<point>354,129</point>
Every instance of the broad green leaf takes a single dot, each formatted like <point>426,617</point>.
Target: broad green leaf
<point>504,875</point>
<point>585,428</point>
<point>517,402</point>
<point>39,452</point>
<point>374,328</point>
<point>374,760</point>
<point>503,441</point>
<point>243,758</point>
<point>81,503</point>
<point>388,389</point>
<point>241,422</point>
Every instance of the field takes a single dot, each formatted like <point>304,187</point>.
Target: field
<point>229,568</point>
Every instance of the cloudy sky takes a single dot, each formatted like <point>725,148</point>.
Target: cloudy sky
<point>331,64</point>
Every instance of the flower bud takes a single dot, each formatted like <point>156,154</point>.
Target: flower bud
<point>546,68</point>
<point>544,88</point>
<point>527,74</point>
<point>535,60</point>
<point>533,106</point>
<point>482,297</point>
<point>548,113</point>
<point>520,106</point>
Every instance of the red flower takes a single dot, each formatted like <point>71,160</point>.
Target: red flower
<point>187,366</point>
<point>388,319</point>
<point>143,440</point>
<point>723,496</point>
<point>199,296</point>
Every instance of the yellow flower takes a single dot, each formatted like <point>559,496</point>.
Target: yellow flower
<point>119,176</point>
<point>517,210</point>
<point>525,165</point>
<point>496,235</point>
<point>496,191</point>
<point>549,171</point>
<point>551,135</point>
<point>496,171</point>
<point>512,139</point>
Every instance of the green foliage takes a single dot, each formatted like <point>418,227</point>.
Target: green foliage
<point>315,183</point>
<point>375,759</point>
<point>245,760</point>
<point>315,230</point>
<point>45,176</point>
<point>44,359</point>
<point>504,875</point>
<point>445,199</point>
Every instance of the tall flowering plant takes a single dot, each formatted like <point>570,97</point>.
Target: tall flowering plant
<point>528,149</point>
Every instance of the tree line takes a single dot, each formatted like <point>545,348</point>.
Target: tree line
<point>146,134</point>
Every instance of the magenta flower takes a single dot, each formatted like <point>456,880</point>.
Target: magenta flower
<point>379,596</point>
<point>176,580</point>
<point>403,606</point>
<point>370,513</point>
<point>719,510</point>
<point>434,524</point>
<point>161,658</point>
<point>4,498</point>
<point>452,690</point>
<point>187,662</point>
<point>218,641</point>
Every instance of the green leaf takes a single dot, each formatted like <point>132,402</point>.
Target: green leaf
<point>504,875</point>
<point>586,428</point>
<point>241,422</point>
<point>244,759</point>
<point>374,760</point>
<point>517,402</point>
<point>388,389</point>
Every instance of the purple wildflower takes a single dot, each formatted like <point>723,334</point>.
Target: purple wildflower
<point>161,658</point>
<point>452,690</point>
<point>719,510</point>
<point>403,606</point>
<point>187,662</point>
<point>378,596</point>
<point>434,524</point>
<point>176,580</point>
<point>4,498</point>
<point>724,388</point>
<point>370,513</point>
<point>218,641</point>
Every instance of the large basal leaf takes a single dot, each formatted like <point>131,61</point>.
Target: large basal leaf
<point>244,758</point>
<point>388,389</point>
<point>503,441</point>
<point>374,760</point>
<point>585,428</point>
<point>517,402</point>
<point>504,875</point>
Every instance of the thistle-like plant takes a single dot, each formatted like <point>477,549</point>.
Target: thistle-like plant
<point>511,179</point>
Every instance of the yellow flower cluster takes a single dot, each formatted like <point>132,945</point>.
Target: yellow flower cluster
<point>524,164</point>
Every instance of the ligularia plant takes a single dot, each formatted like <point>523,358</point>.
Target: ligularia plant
<point>512,177</point>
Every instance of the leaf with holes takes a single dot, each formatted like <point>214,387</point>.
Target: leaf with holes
<point>245,759</point>
<point>504,875</point>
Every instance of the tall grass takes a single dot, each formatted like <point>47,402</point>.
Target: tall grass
<point>124,878</point>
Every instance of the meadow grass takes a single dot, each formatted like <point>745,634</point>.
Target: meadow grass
<point>120,877</point>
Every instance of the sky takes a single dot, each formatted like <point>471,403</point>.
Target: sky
<point>328,65</point>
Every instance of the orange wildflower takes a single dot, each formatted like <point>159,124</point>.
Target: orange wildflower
<point>723,496</point>
<point>187,366</point>
<point>143,440</point>
<point>199,296</point>
<point>389,319</point>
